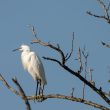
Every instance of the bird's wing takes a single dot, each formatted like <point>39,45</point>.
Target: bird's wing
<point>38,67</point>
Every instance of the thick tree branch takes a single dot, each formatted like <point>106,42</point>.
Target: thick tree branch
<point>22,94</point>
<point>70,98</point>
<point>77,74</point>
<point>44,97</point>
<point>98,91</point>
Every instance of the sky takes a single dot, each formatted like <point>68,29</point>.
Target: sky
<point>55,21</point>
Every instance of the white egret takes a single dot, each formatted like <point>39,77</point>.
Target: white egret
<point>32,63</point>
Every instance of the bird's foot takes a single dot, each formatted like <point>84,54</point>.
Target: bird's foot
<point>39,98</point>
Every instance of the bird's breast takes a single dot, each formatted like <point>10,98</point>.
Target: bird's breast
<point>25,61</point>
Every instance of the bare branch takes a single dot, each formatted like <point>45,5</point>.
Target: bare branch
<point>108,6</point>
<point>106,45</point>
<point>57,48</point>
<point>59,96</point>
<point>97,16</point>
<point>52,59</point>
<point>77,74</point>
<point>22,94</point>
<point>8,86</point>
<point>80,60</point>
<point>69,54</point>
<point>74,99</point>
<point>105,9</point>
<point>85,55</point>
<point>32,28</point>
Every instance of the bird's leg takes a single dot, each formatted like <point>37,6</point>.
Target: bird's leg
<point>38,91</point>
<point>37,88</point>
<point>40,87</point>
<point>42,90</point>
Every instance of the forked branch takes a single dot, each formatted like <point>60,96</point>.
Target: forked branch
<point>18,93</point>
<point>56,48</point>
<point>58,96</point>
<point>105,9</point>
<point>77,74</point>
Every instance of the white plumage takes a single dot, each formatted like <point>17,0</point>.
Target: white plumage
<point>32,63</point>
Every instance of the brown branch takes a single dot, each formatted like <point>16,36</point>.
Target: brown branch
<point>57,48</point>
<point>8,86</point>
<point>44,97</point>
<point>70,98</point>
<point>77,74</point>
<point>98,91</point>
<point>22,94</point>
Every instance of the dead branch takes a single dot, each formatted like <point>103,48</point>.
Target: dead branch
<point>44,97</point>
<point>77,74</point>
<point>80,60</point>
<point>70,98</point>
<point>69,54</point>
<point>32,29</point>
<point>22,94</point>
<point>56,48</point>
<point>105,44</point>
<point>105,9</point>
<point>8,86</point>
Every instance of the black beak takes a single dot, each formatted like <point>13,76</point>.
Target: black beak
<point>15,49</point>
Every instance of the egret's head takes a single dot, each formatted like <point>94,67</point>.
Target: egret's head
<point>23,48</point>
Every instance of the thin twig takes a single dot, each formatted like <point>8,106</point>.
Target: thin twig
<point>69,54</point>
<point>32,28</point>
<point>105,9</point>
<point>85,55</point>
<point>8,86</point>
<point>108,7</point>
<point>80,60</point>
<point>97,16</point>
